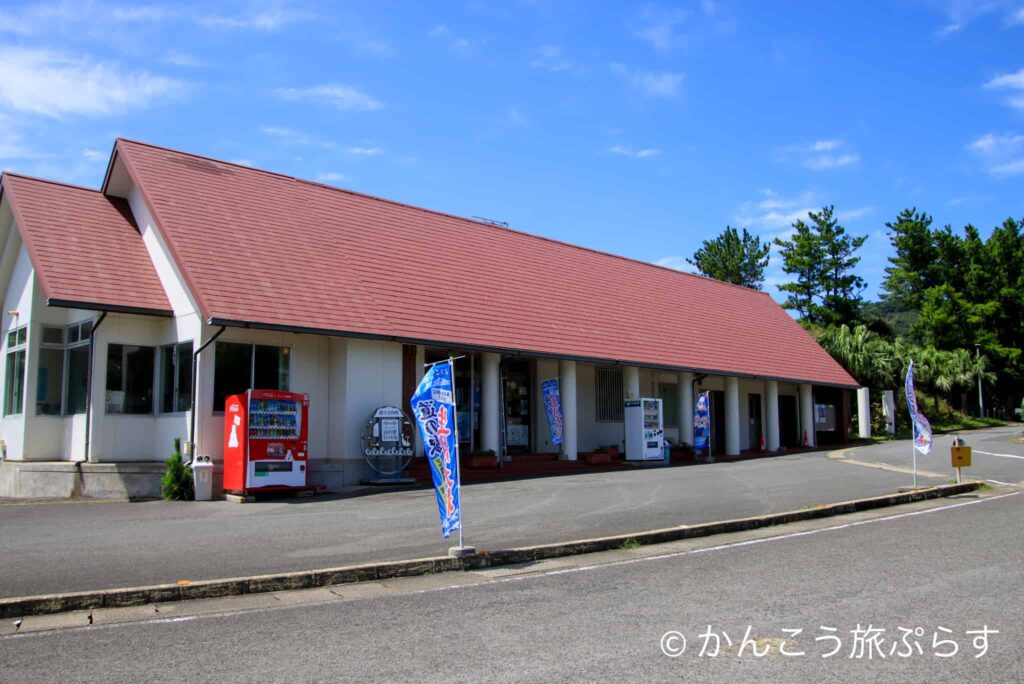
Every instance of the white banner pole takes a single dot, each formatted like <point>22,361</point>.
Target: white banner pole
<point>458,465</point>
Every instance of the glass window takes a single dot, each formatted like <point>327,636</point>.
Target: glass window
<point>239,367</point>
<point>53,335</point>
<point>22,334</point>
<point>49,380</point>
<point>669,404</point>
<point>15,382</point>
<point>270,371</point>
<point>78,369</point>
<point>176,377</point>
<point>12,338</point>
<point>609,395</point>
<point>130,379</point>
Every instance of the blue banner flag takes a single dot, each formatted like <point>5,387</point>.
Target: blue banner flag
<point>701,423</point>
<point>433,405</point>
<point>922,428</point>
<point>553,408</point>
<point>911,395</point>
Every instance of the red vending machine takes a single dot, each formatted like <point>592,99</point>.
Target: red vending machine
<point>266,437</point>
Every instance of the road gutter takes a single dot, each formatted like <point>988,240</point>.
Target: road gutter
<point>21,606</point>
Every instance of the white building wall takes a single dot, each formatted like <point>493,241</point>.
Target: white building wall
<point>17,297</point>
<point>593,433</point>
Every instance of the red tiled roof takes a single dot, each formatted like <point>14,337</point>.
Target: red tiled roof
<point>273,250</point>
<point>85,248</point>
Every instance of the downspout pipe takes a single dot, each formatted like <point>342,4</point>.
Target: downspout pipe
<point>88,384</point>
<point>195,390</point>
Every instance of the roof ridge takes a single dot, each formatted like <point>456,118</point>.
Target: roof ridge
<point>39,179</point>
<point>437,212</point>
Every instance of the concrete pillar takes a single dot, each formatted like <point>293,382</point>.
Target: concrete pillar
<point>864,413</point>
<point>631,382</point>
<point>771,415</point>
<point>889,410</point>
<point>490,403</point>
<point>685,403</point>
<point>807,415</point>
<point>732,416</point>
<point>567,388</point>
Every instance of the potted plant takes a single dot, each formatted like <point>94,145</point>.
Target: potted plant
<point>482,458</point>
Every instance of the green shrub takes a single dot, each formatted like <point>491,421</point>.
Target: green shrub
<point>177,481</point>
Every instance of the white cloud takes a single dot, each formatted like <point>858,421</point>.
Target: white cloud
<point>825,145</point>
<point>244,162</point>
<point>364,151</point>
<point>1001,154</point>
<point>182,59</point>
<point>659,29</point>
<point>332,177</point>
<point>55,84</point>
<point>337,95</point>
<point>664,84</point>
<point>448,37</point>
<point>1014,81</point>
<point>641,153</point>
<point>46,17</point>
<point>258,18</point>
<point>825,161</point>
<point>821,155</point>
<point>676,263</point>
<point>550,58</point>
<point>95,155</point>
<point>991,144</point>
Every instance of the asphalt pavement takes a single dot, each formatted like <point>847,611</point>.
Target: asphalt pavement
<point>50,548</point>
<point>926,577</point>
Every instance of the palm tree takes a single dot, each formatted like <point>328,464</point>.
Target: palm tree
<point>863,353</point>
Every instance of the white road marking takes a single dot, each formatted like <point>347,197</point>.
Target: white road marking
<point>989,453</point>
<point>529,576</point>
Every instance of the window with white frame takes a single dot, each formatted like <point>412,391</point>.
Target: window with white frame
<point>130,372</point>
<point>76,340</point>
<point>50,372</point>
<point>14,375</point>
<point>176,377</point>
<point>242,366</point>
<point>609,397</point>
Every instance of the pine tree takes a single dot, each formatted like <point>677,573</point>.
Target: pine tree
<point>736,259</point>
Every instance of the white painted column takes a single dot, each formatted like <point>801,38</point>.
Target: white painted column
<point>685,404</point>
<point>567,388</point>
<point>490,403</point>
<point>807,415</point>
<point>771,415</point>
<point>631,382</point>
<point>864,412</point>
<point>889,410</point>
<point>732,416</point>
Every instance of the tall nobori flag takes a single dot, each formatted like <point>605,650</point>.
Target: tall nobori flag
<point>553,409</point>
<point>701,423</point>
<point>433,405</point>
<point>922,428</point>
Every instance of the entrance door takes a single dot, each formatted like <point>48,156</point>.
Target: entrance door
<point>517,395</point>
<point>754,420</point>
<point>717,422</point>
<point>789,425</point>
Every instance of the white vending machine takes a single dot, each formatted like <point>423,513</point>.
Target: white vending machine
<point>644,430</point>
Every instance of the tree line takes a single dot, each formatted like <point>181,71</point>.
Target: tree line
<point>953,301</point>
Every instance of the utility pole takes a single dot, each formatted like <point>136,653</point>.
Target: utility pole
<point>981,405</point>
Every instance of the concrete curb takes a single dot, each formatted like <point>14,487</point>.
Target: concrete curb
<point>308,579</point>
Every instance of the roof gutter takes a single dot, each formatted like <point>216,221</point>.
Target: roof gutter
<point>300,330</point>
<point>88,385</point>
<point>109,308</point>
<point>195,391</point>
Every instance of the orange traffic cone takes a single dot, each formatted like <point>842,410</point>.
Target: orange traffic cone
<point>763,446</point>
<point>806,443</point>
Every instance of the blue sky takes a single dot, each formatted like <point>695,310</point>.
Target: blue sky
<point>631,128</point>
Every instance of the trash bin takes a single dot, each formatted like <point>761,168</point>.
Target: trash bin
<point>202,478</point>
